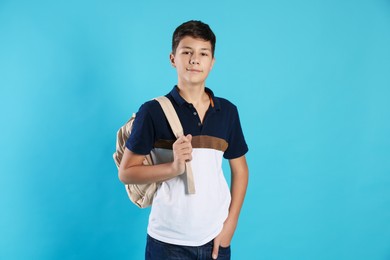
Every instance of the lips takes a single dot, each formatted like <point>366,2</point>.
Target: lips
<point>193,70</point>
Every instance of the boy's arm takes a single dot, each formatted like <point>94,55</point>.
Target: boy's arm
<point>132,170</point>
<point>239,183</point>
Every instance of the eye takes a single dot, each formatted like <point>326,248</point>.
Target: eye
<point>204,54</point>
<point>186,52</point>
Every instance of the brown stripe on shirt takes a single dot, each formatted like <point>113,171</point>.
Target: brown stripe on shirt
<point>199,141</point>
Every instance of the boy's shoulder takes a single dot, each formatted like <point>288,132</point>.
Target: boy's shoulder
<point>224,104</point>
<point>224,101</point>
<point>220,103</point>
<point>150,106</point>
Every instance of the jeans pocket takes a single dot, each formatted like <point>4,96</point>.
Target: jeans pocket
<point>224,252</point>
<point>155,241</point>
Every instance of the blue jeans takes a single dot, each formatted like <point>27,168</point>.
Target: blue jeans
<point>157,250</point>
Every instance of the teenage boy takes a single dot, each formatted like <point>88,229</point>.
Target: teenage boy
<point>182,225</point>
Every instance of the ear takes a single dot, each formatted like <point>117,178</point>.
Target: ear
<point>172,60</point>
<point>212,64</point>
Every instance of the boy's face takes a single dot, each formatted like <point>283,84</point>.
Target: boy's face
<point>193,60</point>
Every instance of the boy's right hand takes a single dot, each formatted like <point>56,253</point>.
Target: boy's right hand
<point>182,153</point>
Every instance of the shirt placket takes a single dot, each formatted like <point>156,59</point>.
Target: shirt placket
<point>196,117</point>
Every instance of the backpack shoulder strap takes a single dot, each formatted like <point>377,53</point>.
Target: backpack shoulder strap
<point>171,115</point>
<point>177,129</point>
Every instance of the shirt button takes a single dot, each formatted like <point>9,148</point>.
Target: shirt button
<point>195,113</point>
<point>199,124</point>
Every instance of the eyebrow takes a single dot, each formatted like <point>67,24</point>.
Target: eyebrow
<point>203,49</point>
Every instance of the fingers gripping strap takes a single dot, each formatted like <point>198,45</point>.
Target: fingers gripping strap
<point>177,129</point>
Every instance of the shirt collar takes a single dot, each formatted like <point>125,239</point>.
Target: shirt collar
<point>181,101</point>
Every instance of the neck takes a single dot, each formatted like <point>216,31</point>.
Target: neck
<point>193,94</point>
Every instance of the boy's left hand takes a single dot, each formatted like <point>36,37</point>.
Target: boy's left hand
<point>224,238</point>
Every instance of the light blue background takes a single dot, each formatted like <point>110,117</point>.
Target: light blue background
<point>312,83</point>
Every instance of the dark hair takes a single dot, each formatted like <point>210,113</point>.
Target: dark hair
<point>195,29</point>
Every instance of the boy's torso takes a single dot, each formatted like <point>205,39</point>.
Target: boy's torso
<point>177,217</point>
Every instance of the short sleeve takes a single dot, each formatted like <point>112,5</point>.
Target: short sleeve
<point>142,136</point>
<point>237,146</point>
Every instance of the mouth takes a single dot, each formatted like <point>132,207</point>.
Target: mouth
<point>193,70</point>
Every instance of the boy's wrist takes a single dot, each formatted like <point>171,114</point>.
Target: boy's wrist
<point>175,169</point>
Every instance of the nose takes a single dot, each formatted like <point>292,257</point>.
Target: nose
<point>194,59</point>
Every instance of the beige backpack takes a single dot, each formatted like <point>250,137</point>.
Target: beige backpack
<point>142,194</point>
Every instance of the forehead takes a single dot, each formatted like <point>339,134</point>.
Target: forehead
<point>194,43</point>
